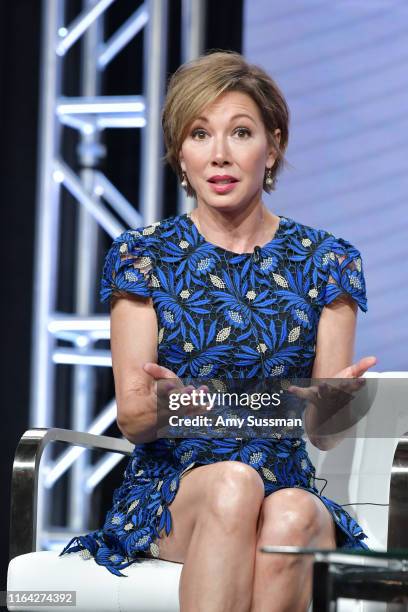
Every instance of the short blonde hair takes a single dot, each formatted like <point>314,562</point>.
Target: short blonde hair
<point>199,82</point>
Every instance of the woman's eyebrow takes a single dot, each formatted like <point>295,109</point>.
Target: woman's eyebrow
<point>205,120</point>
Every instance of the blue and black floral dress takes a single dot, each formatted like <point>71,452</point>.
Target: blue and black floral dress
<point>224,315</point>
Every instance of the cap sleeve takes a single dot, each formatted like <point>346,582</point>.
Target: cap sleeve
<point>127,267</point>
<point>345,275</point>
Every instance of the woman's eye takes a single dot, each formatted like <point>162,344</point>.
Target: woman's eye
<point>244,131</point>
<point>197,133</point>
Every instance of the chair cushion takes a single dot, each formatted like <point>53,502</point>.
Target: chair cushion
<point>150,586</point>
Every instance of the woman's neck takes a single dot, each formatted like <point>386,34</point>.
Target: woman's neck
<point>236,231</point>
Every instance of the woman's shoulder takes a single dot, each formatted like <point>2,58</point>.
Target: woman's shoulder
<point>298,228</point>
<point>334,263</point>
<point>150,235</point>
<point>317,237</point>
<point>162,226</point>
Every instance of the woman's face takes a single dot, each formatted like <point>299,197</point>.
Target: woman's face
<point>228,139</point>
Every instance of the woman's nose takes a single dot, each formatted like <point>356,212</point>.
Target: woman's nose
<point>220,152</point>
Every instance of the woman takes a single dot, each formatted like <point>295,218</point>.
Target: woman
<point>230,290</point>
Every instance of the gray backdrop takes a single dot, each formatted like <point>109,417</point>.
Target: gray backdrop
<point>343,68</point>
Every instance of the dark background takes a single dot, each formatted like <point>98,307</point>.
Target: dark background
<point>20,39</point>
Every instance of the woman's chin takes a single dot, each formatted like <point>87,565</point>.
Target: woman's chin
<point>228,202</point>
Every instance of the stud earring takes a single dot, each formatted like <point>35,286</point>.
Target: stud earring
<point>269,181</point>
<point>184,182</point>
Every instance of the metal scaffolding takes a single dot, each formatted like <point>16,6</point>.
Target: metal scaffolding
<point>90,114</point>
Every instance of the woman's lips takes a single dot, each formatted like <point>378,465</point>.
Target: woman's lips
<point>223,187</point>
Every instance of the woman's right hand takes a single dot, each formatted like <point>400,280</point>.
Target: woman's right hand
<point>167,382</point>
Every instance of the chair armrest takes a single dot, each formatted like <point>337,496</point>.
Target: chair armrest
<point>24,480</point>
<point>398,513</point>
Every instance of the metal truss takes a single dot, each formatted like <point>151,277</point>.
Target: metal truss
<point>90,114</point>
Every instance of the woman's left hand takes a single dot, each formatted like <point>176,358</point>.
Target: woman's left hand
<point>328,402</point>
<point>357,369</point>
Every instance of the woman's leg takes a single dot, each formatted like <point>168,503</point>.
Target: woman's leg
<point>289,517</point>
<point>215,514</point>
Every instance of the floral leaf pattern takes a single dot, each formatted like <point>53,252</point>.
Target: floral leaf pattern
<point>227,315</point>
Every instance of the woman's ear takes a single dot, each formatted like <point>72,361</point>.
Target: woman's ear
<point>272,152</point>
<point>181,161</point>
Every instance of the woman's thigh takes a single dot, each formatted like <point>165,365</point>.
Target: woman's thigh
<point>195,497</point>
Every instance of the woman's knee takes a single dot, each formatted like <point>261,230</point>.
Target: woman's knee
<point>235,494</point>
<point>294,517</point>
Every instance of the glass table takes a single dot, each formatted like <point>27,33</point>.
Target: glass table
<point>354,574</point>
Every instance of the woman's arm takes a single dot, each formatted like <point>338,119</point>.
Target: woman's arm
<point>334,352</point>
<point>335,337</point>
<point>134,336</point>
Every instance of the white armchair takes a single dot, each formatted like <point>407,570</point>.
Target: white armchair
<point>358,470</point>
<point>151,586</point>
